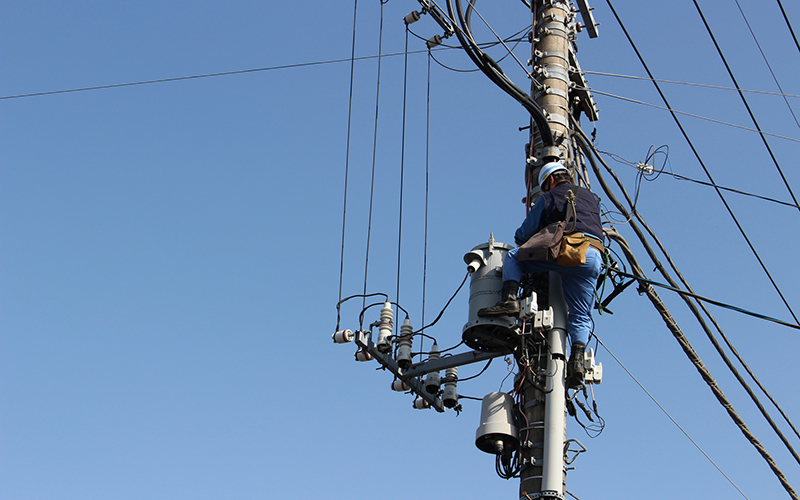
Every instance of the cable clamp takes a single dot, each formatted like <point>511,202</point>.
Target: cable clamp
<point>645,168</point>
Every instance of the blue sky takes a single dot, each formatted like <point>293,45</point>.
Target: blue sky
<point>171,252</point>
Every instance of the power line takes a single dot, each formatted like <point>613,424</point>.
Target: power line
<point>668,414</point>
<point>744,101</point>
<point>791,30</point>
<point>671,110</point>
<point>702,164</point>
<point>677,82</point>
<point>764,56</point>
<point>211,75</point>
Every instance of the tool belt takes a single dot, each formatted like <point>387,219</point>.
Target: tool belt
<point>574,247</point>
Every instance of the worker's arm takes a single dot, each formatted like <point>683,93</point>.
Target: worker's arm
<point>532,223</point>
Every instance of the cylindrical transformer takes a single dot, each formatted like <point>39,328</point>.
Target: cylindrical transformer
<point>343,336</point>
<point>497,432</point>
<point>404,344</point>
<point>450,394</point>
<point>485,264</point>
<point>384,343</point>
<point>432,380</point>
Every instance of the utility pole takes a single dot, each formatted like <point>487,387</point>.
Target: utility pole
<point>555,73</point>
<point>537,337</point>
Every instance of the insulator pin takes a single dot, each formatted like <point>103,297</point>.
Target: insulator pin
<point>421,404</point>
<point>434,41</point>
<point>400,386</point>
<point>411,17</point>
<point>343,336</point>
<point>362,355</point>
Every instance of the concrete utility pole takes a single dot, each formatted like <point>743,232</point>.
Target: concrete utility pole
<point>554,69</point>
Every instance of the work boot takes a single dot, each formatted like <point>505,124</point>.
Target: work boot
<point>575,369</point>
<point>508,305</point>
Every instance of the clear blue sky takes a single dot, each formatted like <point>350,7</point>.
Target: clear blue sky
<point>170,252</point>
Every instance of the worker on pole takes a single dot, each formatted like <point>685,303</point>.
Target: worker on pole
<point>579,281</point>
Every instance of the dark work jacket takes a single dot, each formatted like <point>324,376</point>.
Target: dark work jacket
<point>552,207</point>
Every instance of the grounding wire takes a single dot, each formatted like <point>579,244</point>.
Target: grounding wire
<point>642,387</point>
<point>702,164</point>
<point>718,87</point>
<point>590,150</point>
<point>764,56</point>
<point>744,101</point>
<point>789,25</point>
<point>374,149</point>
<point>347,157</point>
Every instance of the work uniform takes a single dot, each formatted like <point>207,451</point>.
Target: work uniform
<point>578,282</point>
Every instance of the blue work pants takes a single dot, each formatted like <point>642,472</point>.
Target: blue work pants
<point>578,283</point>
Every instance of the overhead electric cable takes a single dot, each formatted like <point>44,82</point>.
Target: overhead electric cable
<point>702,164</point>
<point>698,363</point>
<point>427,190</point>
<point>347,153</point>
<point>402,165</point>
<point>766,61</point>
<point>744,101</point>
<point>668,415</point>
<point>711,301</point>
<point>374,149</point>
<point>703,85</point>
<point>791,30</point>
<point>671,110</point>
<point>592,153</point>
<point>704,183</point>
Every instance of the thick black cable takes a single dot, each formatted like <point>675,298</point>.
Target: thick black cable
<point>698,363</point>
<point>702,164</point>
<point>490,68</point>
<point>744,101</point>
<point>347,155</point>
<point>789,25</point>
<point>591,153</point>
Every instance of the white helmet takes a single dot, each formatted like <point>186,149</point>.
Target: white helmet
<point>548,169</point>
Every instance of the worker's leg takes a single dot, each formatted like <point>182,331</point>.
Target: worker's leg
<point>579,284</point>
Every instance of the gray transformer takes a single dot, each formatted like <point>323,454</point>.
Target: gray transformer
<point>485,263</point>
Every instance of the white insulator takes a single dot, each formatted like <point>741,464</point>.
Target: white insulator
<point>450,394</point>
<point>404,344</point>
<point>432,380</point>
<point>400,386</point>
<point>385,329</point>
<point>411,17</point>
<point>434,41</point>
<point>343,336</point>
<point>421,404</point>
<point>362,355</point>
